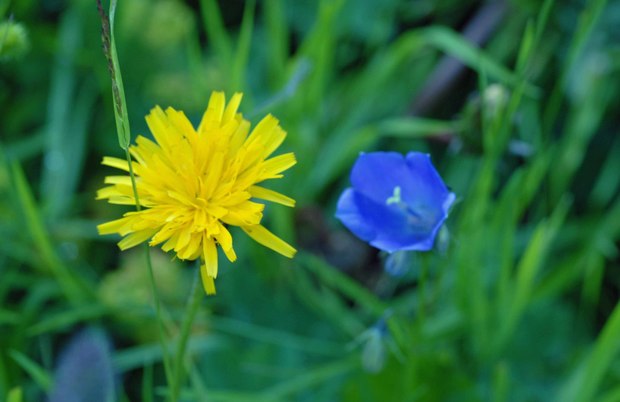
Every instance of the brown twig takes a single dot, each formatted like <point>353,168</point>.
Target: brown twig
<point>448,70</point>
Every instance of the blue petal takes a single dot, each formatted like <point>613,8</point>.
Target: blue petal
<point>418,201</point>
<point>348,213</point>
<point>428,193</point>
<point>447,203</point>
<point>377,174</point>
<point>395,229</point>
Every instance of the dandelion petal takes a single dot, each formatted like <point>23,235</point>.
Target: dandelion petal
<point>193,182</point>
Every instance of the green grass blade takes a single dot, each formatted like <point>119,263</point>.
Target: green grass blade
<point>240,61</point>
<point>147,383</point>
<point>29,146</point>
<point>216,32</point>
<point>197,381</point>
<point>601,235</point>
<point>593,280</point>
<point>585,117</point>
<point>69,113</point>
<point>355,131</point>
<point>60,185</point>
<point>501,383</point>
<point>455,45</point>
<point>278,38</point>
<point>312,377</point>
<point>66,319</point>
<point>4,7</point>
<point>283,339</point>
<point>318,47</point>
<point>587,21</point>
<point>178,367</point>
<point>611,396</point>
<point>337,156</point>
<point>516,196</point>
<point>141,355</point>
<point>531,37</point>
<point>527,270</point>
<point>527,45</point>
<point>9,317</point>
<point>585,381</point>
<point>59,110</point>
<point>416,127</point>
<point>72,287</point>
<point>34,370</point>
<point>607,184</point>
<point>543,18</point>
<point>124,135</point>
<point>333,277</point>
<point>327,303</point>
<point>470,259</point>
<point>222,396</point>
<point>118,90</point>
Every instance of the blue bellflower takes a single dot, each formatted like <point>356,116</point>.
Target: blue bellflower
<point>395,202</point>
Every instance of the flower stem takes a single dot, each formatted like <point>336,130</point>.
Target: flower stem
<point>423,286</point>
<point>191,310</point>
<point>124,136</point>
<point>149,265</point>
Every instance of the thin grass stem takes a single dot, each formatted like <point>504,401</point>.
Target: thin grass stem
<point>191,309</point>
<point>149,264</point>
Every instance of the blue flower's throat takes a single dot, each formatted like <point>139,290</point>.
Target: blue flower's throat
<point>396,200</point>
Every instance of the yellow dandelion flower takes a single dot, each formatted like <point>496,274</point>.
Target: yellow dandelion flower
<point>193,183</point>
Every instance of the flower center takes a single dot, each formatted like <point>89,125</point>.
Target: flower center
<point>396,200</point>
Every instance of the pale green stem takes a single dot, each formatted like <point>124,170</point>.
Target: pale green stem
<point>422,283</point>
<point>191,309</point>
<point>149,264</point>
<point>124,136</point>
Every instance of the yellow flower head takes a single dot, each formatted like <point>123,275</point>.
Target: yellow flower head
<point>192,183</point>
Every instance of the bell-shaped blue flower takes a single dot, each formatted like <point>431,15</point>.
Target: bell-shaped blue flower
<point>395,202</point>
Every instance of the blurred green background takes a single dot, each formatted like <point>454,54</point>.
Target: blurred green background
<point>516,101</point>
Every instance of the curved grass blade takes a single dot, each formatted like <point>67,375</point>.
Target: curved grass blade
<point>118,91</point>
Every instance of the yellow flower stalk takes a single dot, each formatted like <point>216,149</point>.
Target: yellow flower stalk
<point>194,183</point>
